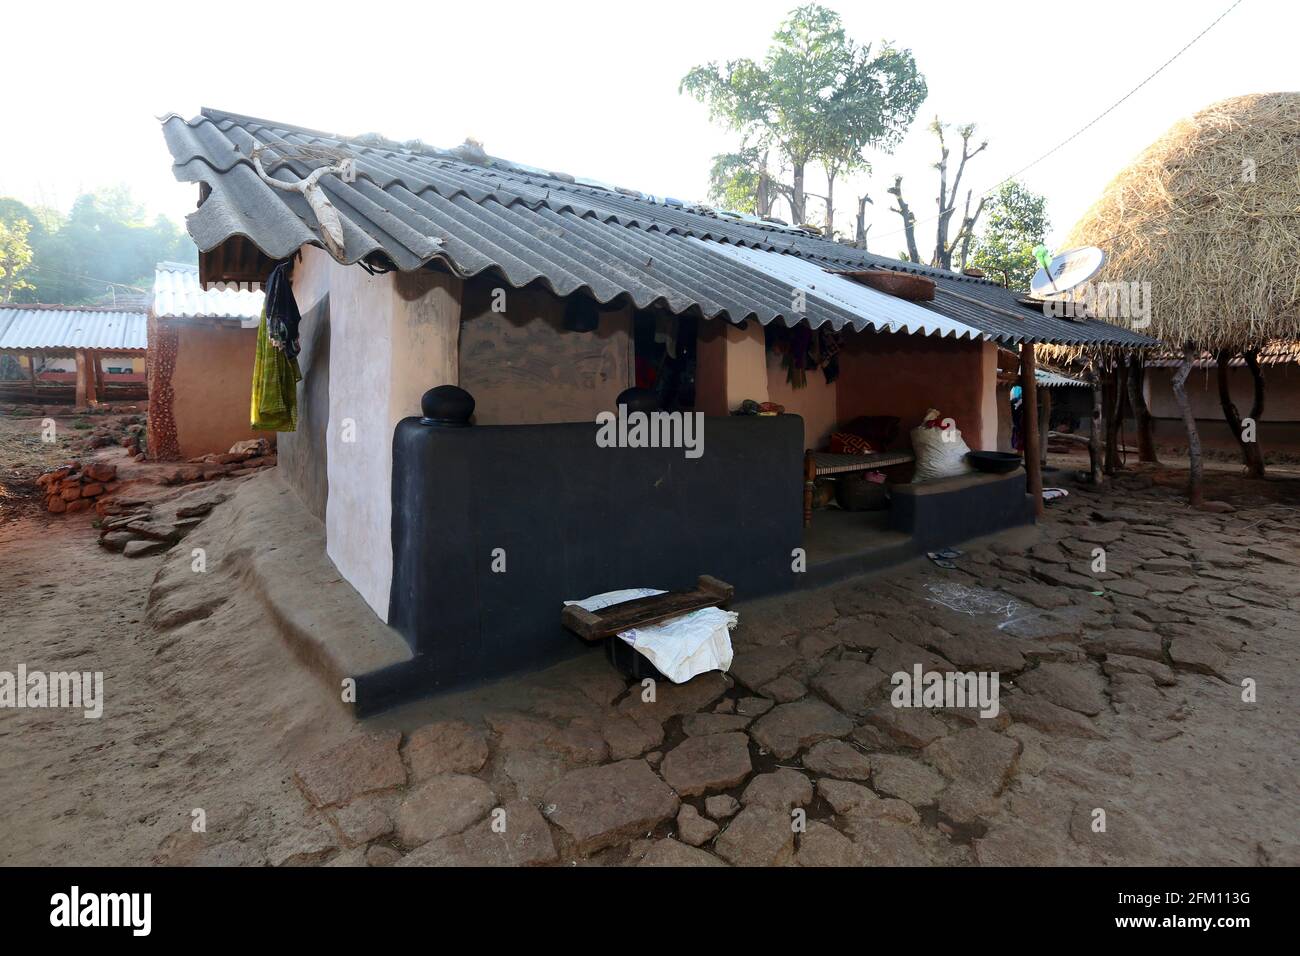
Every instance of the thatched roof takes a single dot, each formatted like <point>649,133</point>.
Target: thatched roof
<point>1209,214</point>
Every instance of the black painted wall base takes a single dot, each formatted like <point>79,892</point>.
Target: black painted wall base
<point>566,518</point>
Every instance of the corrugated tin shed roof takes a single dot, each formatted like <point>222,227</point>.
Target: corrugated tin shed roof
<point>70,327</point>
<point>1046,378</point>
<point>410,206</point>
<point>177,294</point>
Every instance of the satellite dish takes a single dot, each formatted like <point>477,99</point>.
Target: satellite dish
<point>1066,271</point>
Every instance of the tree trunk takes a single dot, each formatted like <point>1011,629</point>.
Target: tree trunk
<point>1114,418</point>
<point>830,206</point>
<point>1243,432</point>
<point>1029,402</point>
<point>1195,492</point>
<point>1044,424</point>
<point>797,201</point>
<point>1141,414</point>
<point>1094,437</point>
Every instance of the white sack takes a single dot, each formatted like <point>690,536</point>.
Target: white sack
<point>679,647</point>
<point>940,453</point>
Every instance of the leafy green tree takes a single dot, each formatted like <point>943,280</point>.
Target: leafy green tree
<point>816,96</point>
<point>1016,221</point>
<point>735,181</point>
<point>104,248</point>
<point>15,257</point>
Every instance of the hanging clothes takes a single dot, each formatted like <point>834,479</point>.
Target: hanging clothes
<point>275,364</point>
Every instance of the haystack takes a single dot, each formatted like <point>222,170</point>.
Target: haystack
<point>1209,215</point>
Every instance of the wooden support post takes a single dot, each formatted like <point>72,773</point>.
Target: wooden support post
<point>1141,414</point>
<point>1094,438</point>
<point>97,378</point>
<point>1029,403</point>
<point>1044,423</point>
<point>82,374</point>
<point>31,372</point>
<point>1195,490</point>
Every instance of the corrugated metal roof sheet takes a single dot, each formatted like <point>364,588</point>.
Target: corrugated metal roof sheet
<point>1046,378</point>
<point>178,295</point>
<point>884,313</point>
<point>412,206</point>
<point>60,327</point>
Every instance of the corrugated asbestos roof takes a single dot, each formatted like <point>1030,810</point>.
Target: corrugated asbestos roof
<point>1046,378</point>
<point>178,295</point>
<point>870,308</point>
<point>69,327</point>
<point>412,206</point>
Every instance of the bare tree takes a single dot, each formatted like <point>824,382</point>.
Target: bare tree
<point>959,245</point>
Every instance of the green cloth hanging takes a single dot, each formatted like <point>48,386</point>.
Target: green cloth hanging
<point>275,386</point>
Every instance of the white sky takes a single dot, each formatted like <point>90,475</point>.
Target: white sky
<point>591,88</point>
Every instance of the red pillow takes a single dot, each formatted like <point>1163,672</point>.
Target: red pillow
<point>846,443</point>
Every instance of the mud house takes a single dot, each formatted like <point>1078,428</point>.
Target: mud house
<point>78,354</point>
<point>201,345</point>
<point>465,516</point>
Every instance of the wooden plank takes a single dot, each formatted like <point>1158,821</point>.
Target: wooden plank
<point>641,612</point>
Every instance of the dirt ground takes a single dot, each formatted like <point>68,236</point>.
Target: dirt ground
<point>1121,692</point>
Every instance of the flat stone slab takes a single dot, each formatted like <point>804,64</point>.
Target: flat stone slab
<point>835,758</point>
<point>986,652</point>
<point>1073,686</point>
<point>670,699</point>
<point>446,746</point>
<point>721,806</point>
<point>1048,717</point>
<point>906,779</point>
<point>710,762</point>
<point>361,764</point>
<point>757,666</point>
<point>674,853</point>
<point>1198,654</point>
<point>699,725</point>
<point>850,685</point>
<point>976,758</point>
<point>513,835</point>
<point>908,727</point>
<point>782,789</point>
<point>845,797</point>
<point>823,845</point>
<point>694,829</point>
<point>1127,641</point>
<point>757,837</point>
<point>789,728</point>
<point>599,807</point>
<point>442,806</point>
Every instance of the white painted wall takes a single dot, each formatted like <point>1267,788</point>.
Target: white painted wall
<point>392,337</point>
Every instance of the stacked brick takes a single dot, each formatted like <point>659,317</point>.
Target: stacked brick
<point>72,487</point>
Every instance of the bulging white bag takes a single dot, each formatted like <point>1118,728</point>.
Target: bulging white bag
<point>679,647</point>
<point>940,452</point>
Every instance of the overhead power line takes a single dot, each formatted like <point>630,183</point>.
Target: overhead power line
<point>1087,126</point>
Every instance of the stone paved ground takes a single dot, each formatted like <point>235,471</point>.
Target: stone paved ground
<point>1121,702</point>
<point>1120,692</point>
